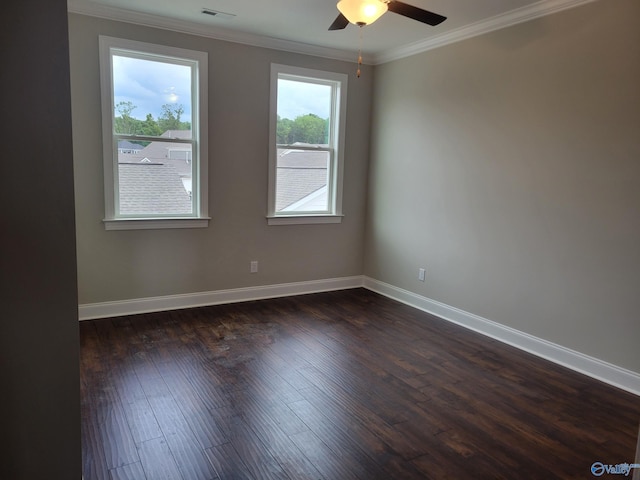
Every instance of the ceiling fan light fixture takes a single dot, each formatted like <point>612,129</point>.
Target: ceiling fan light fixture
<point>362,12</point>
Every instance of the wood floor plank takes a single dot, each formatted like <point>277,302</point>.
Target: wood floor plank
<point>252,409</point>
<point>323,423</point>
<point>322,457</point>
<point>141,420</point>
<point>157,460</point>
<point>257,459</point>
<point>380,441</point>
<point>94,464</point>
<point>285,366</point>
<point>338,385</point>
<point>118,443</point>
<point>228,463</point>
<point>133,471</point>
<point>194,410</point>
<point>190,457</point>
<point>118,447</point>
<point>267,425</point>
<point>342,399</point>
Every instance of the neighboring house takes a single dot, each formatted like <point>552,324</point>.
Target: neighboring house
<point>181,134</point>
<point>127,147</point>
<point>301,176</point>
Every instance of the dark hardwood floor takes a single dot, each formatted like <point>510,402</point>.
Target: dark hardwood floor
<point>336,385</point>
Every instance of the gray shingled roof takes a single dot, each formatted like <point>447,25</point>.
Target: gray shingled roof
<point>126,144</point>
<point>299,173</point>
<point>159,188</point>
<point>158,152</point>
<point>151,188</point>
<point>181,134</point>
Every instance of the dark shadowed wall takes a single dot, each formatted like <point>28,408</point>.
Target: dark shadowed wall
<point>39,375</point>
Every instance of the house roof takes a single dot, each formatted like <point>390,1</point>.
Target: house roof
<point>181,134</point>
<point>301,177</point>
<point>158,152</point>
<point>152,188</point>
<point>299,174</point>
<point>129,145</point>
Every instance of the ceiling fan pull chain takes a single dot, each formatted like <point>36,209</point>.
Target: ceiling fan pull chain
<point>359,53</point>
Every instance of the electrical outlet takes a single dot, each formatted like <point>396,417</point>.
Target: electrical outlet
<point>253,266</point>
<point>421,273</point>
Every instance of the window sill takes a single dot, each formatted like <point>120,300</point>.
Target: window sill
<point>303,219</point>
<point>155,223</point>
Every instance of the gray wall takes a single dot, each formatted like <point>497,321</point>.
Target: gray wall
<point>508,165</point>
<point>39,376</point>
<point>123,265</point>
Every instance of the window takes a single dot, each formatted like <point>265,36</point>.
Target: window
<point>154,121</point>
<point>308,112</point>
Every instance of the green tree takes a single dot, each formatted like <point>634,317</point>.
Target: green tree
<point>169,118</point>
<point>309,128</point>
<point>150,127</point>
<point>125,123</point>
<point>283,131</point>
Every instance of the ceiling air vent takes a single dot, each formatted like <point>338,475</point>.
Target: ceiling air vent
<point>220,15</point>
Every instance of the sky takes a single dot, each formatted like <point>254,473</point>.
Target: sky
<point>298,98</point>
<point>149,84</point>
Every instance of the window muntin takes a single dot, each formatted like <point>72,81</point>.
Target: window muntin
<point>307,138</point>
<point>154,108</point>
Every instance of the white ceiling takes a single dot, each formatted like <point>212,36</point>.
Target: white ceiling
<point>301,25</point>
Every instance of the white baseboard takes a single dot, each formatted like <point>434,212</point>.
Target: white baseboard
<point>120,308</point>
<point>593,367</point>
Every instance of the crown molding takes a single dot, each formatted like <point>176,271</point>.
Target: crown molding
<point>83,7</point>
<point>513,17</point>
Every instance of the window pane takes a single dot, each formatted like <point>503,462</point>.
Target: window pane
<point>151,97</point>
<point>155,164</point>
<point>155,179</point>
<point>302,181</point>
<point>303,114</point>
<point>307,133</point>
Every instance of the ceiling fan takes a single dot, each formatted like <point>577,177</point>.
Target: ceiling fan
<point>365,12</point>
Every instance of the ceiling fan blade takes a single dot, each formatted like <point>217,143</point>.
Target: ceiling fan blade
<point>339,23</point>
<point>415,13</point>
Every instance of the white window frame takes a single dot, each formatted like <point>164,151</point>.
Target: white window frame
<point>338,82</point>
<point>199,127</point>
